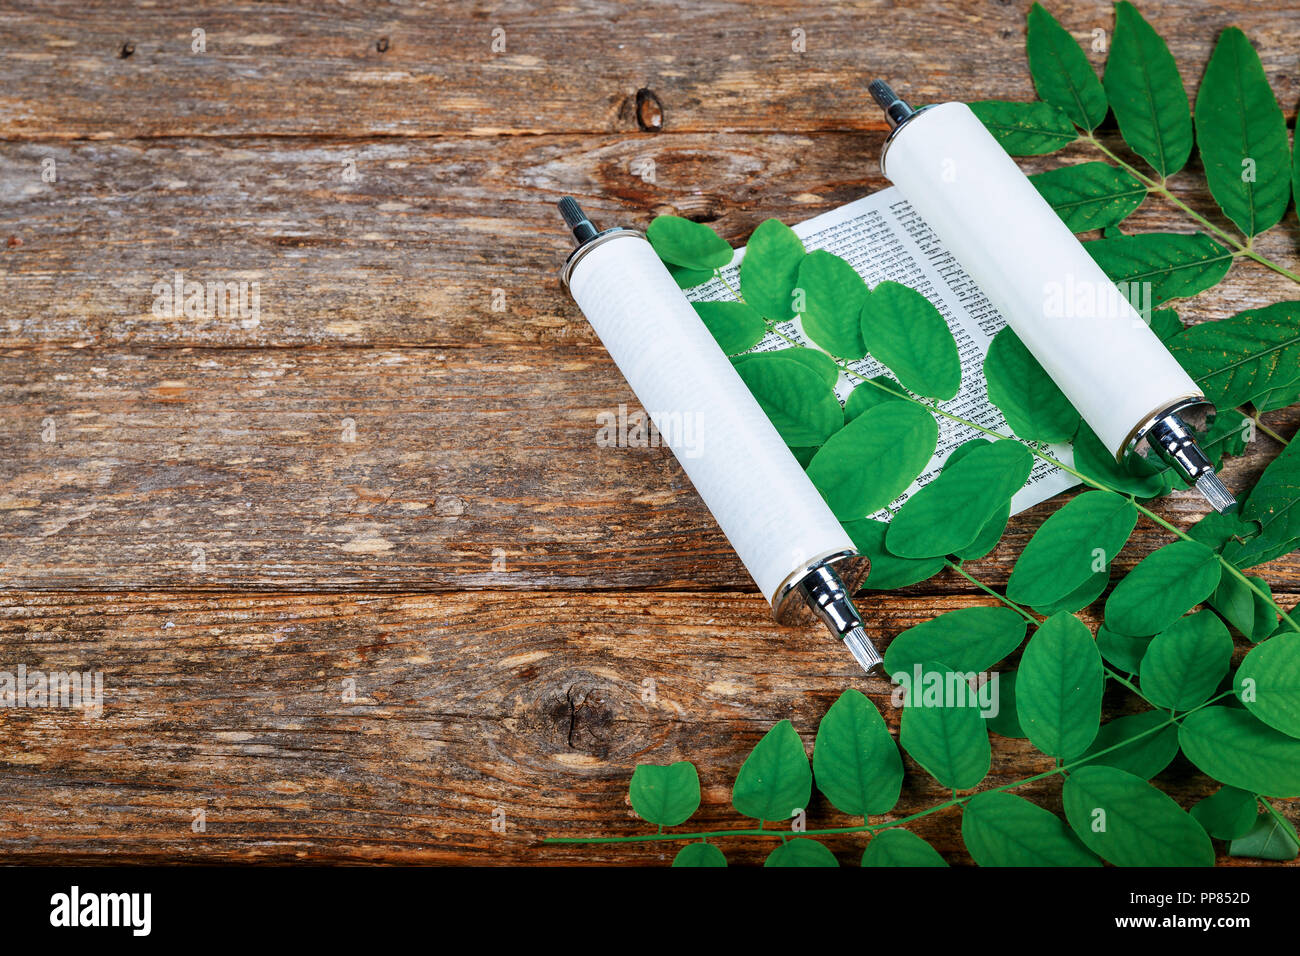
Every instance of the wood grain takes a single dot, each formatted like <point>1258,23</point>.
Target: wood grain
<point>391,475</point>
<point>439,243</point>
<point>77,69</point>
<point>535,704</point>
<point>468,468</point>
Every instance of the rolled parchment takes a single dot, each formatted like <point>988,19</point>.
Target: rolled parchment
<point>773,516</point>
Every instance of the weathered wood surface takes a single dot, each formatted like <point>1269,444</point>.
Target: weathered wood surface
<point>439,243</point>
<point>231,468</point>
<point>180,503</point>
<point>534,705</point>
<point>75,69</point>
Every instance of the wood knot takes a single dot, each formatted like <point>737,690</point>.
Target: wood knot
<point>382,44</point>
<point>126,50</point>
<point>582,719</point>
<point>649,111</point>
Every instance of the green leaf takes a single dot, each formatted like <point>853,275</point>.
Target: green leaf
<point>855,761</point>
<point>1234,747</point>
<point>1273,504</point>
<point>1226,814</point>
<point>967,640</point>
<point>832,299</point>
<point>1061,71</point>
<point>1226,435</point>
<point>1001,829</point>
<point>903,330</point>
<point>699,854</point>
<point>665,795</point>
<point>769,272</point>
<point>801,852</point>
<point>1090,195</point>
<point>688,278</point>
<point>818,361</point>
<point>1164,586</point>
<point>1176,265</point>
<point>687,244</point>
<point>1238,359</point>
<point>1241,134</point>
<point>949,513</point>
<point>1121,650</point>
<point>1128,822</point>
<point>942,729</point>
<point>1245,610</point>
<point>1146,93</point>
<point>1166,324</point>
<point>874,458</point>
<point>991,533</point>
<point>1062,556</point>
<point>1146,743</point>
<point>1269,839</point>
<point>988,537</point>
<point>775,781</point>
<point>1030,401</point>
<point>802,407</point>
<point>733,325</point>
<point>1268,683</point>
<point>899,847</point>
<point>867,395</point>
<point>1058,687</point>
<point>1025,129</point>
<point>1079,598</point>
<point>1006,722</point>
<point>804,455</point>
<point>1295,169</point>
<point>1283,396</point>
<point>1136,476</point>
<point>1184,664</point>
<point>887,572</point>
<point>1215,530</point>
<point>1149,752</point>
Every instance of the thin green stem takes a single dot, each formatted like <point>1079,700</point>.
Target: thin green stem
<point>871,827</point>
<point>1121,679</point>
<point>956,566</point>
<point>1263,801</point>
<point>1261,427</point>
<point>1159,186</point>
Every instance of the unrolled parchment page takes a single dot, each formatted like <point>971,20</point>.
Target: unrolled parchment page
<point>882,238</point>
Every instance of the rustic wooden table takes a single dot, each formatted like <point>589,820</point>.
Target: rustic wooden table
<point>385,477</point>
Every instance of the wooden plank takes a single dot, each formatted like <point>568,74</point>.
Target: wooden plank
<point>76,69</point>
<point>443,243</point>
<point>469,468</point>
<point>535,704</point>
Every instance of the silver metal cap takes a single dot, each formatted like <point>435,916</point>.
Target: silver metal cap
<point>1174,442</point>
<point>1215,492</point>
<point>863,651</point>
<point>829,599</point>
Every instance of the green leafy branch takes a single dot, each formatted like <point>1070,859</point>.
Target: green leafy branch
<point>856,767</point>
<point>865,453</point>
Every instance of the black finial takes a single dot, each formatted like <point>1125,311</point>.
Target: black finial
<point>577,220</point>
<point>895,108</point>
